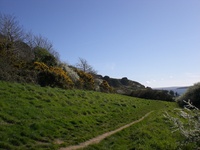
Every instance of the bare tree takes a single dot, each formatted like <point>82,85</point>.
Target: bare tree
<point>29,39</point>
<point>13,32</point>
<point>84,66</point>
<point>39,41</point>
<point>10,28</point>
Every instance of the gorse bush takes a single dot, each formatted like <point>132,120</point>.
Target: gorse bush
<point>86,80</point>
<point>40,66</point>
<point>193,93</point>
<point>25,57</point>
<point>52,76</point>
<point>18,52</point>
<point>105,87</point>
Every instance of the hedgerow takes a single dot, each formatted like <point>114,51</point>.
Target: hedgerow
<point>149,93</point>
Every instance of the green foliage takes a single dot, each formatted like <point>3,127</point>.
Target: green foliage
<point>192,94</point>
<point>149,93</point>
<point>34,117</point>
<point>43,55</point>
<point>52,76</point>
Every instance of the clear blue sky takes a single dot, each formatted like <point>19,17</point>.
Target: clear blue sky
<point>154,42</point>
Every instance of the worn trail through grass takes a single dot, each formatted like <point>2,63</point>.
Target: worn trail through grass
<point>103,136</point>
<point>34,117</point>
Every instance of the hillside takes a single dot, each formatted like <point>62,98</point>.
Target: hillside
<point>29,58</point>
<point>33,62</point>
<point>123,85</point>
<point>48,104</point>
<point>34,117</point>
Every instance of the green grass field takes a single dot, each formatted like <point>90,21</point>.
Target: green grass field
<point>34,117</point>
<point>153,133</point>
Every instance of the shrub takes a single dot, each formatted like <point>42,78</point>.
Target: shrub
<point>193,93</point>
<point>187,122</point>
<point>61,78</point>
<point>13,65</point>
<point>52,76</point>
<point>86,80</point>
<point>43,55</point>
<point>149,93</point>
<point>105,87</point>
<point>72,74</point>
<point>4,44</point>
<point>40,66</point>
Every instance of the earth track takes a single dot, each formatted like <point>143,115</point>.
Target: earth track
<point>99,138</point>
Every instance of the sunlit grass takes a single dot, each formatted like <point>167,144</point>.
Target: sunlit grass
<point>33,117</point>
<point>153,133</point>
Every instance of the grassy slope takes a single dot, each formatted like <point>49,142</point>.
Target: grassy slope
<point>32,117</point>
<point>153,133</point>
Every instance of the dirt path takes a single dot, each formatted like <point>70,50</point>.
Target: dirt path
<point>103,136</point>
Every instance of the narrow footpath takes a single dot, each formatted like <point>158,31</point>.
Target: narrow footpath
<point>103,136</point>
